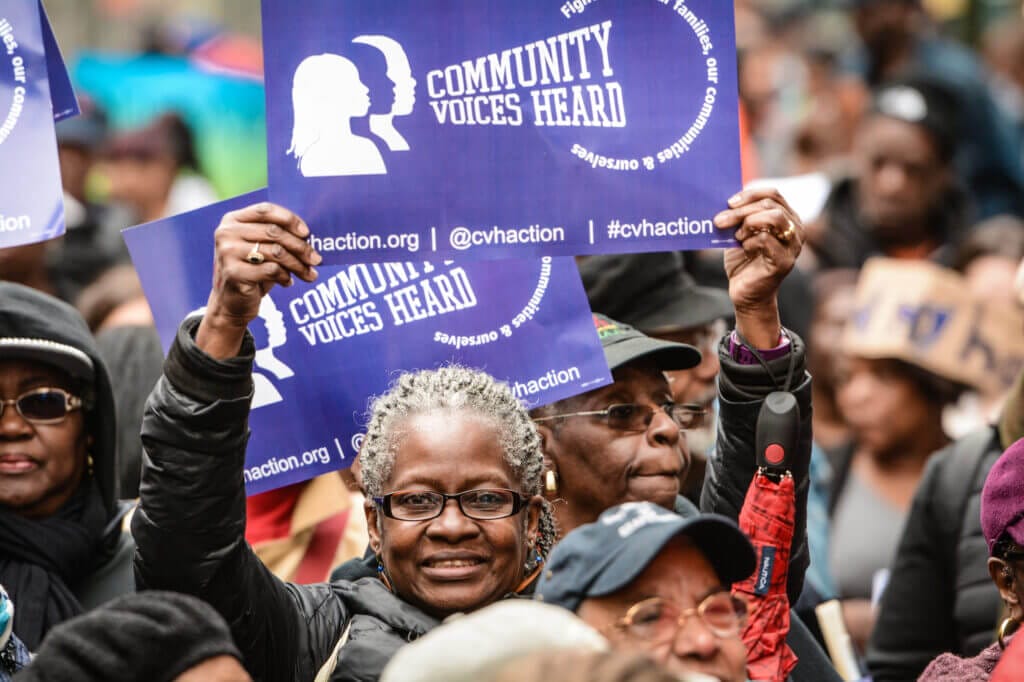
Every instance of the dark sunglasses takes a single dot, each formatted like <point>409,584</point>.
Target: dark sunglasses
<point>636,417</point>
<point>43,405</point>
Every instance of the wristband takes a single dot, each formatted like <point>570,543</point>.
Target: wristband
<point>741,354</point>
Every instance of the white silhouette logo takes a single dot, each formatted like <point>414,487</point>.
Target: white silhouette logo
<point>400,74</point>
<point>327,93</point>
<point>277,335</point>
<point>264,392</point>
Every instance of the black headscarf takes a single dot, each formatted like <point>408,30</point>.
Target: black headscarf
<point>41,560</point>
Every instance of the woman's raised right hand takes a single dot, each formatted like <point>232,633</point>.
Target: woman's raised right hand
<point>255,248</point>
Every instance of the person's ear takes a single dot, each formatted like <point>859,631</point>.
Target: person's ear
<point>373,526</point>
<point>531,536</point>
<point>533,512</point>
<point>547,438</point>
<point>1002,576</point>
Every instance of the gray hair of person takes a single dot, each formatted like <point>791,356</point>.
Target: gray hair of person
<point>456,389</point>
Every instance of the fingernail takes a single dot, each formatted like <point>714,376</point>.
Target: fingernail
<point>313,273</point>
<point>317,259</point>
<point>720,220</point>
<point>734,200</point>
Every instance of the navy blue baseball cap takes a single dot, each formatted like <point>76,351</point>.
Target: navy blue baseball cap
<point>600,558</point>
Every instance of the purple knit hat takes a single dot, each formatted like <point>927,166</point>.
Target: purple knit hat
<point>1002,498</point>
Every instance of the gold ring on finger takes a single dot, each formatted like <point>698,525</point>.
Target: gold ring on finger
<point>254,256</point>
<point>788,233</point>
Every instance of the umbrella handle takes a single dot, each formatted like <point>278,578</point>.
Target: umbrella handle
<point>778,431</point>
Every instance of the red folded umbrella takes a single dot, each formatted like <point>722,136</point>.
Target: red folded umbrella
<point>767,517</point>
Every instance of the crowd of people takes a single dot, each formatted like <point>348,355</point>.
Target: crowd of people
<point>639,531</point>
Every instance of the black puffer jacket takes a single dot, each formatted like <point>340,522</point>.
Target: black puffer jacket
<point>940,596</point>
<point>190,523</point>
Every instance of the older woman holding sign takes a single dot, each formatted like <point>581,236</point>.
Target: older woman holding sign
<point>451,464</point>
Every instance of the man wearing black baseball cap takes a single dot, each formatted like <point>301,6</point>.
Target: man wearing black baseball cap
<point>652,581</point>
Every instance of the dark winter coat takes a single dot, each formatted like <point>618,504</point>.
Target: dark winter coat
<point>940,597</point>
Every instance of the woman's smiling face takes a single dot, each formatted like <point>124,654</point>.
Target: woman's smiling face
<point>452,563</point>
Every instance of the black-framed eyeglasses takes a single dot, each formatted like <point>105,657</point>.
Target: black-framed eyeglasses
<point>45,405</point>
<point>658,620</point>
<point>483,504</point>
<point>637,417</point>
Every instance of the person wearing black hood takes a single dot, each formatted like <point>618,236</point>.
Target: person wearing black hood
<point>63,550</point>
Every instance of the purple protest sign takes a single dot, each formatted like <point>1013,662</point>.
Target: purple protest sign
<point>502,129</point>
<point>31,199</point>
<point>62,95</point>
<point>325,348</point>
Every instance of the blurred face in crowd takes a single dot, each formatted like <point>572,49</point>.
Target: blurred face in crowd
<point>696,386</point>
<point>1003,50</point>
<point>599,467</point>
<point>901,179</point>
<point>682,578</point>
<point>452,563</point>
<point>75,162</point>
<point>218,669</point>
<point>827,325</point>
<point>41,465</point>
<point>881,24</point>
<point>140,180</point>
<point>884,407</point>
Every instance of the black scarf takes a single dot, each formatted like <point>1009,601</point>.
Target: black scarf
<point>41,560</point>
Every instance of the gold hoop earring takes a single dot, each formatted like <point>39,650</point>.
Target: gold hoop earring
<point>551,482</point>
<point>1004,628</point>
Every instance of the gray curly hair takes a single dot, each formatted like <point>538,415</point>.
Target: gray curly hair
<point>463,389</point>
